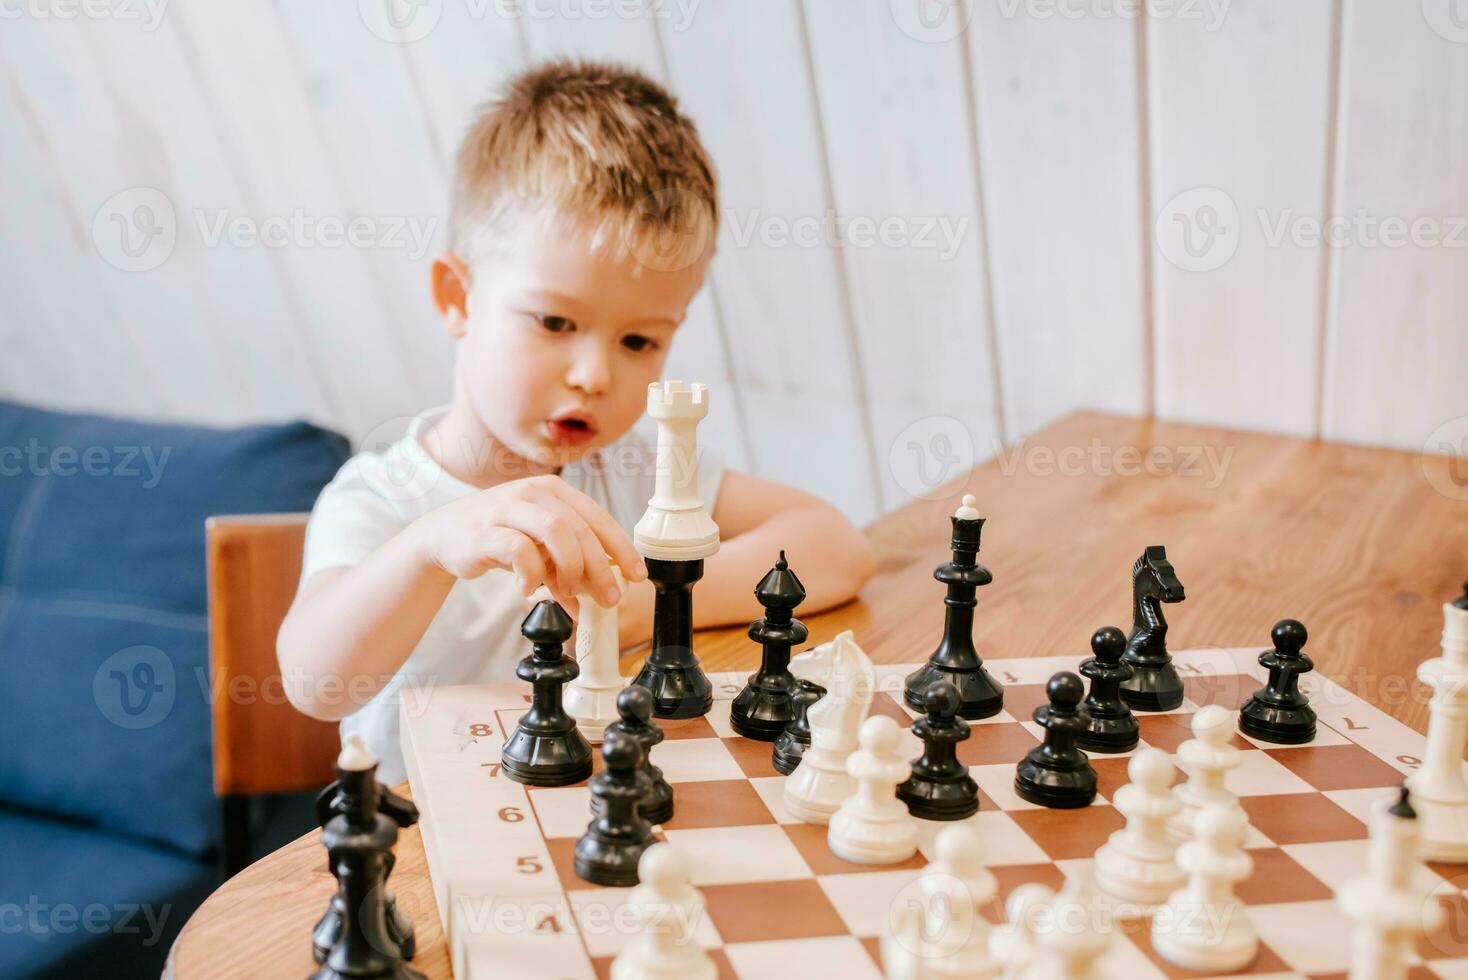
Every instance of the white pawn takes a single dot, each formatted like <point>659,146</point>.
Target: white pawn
<point>1075,942</point>
<point>666,909</point>
<point>955,888</point>
<point>1138,863</point>
<point>872,826</point>
<point>1027,913</point>
<point>820,783</point>
<point>591,698</point>
<point>1388,912</point>
<point>1208,757</point>
<point>1439,791</point>
<point>1204,926</point>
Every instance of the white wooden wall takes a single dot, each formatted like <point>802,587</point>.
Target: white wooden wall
<point>1077,150</point>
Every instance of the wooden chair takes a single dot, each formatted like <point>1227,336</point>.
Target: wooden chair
<point>261,743</point>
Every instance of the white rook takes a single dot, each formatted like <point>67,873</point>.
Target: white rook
<point>675,527</point>
<point>1439,792</point>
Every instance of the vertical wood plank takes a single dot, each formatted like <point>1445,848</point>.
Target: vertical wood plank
<point>246,67</point>
<point>1059,144</point>
<point>1239,113</point>
<point>895,121</point>
<point>782,298</point>
<point>1397,339</point>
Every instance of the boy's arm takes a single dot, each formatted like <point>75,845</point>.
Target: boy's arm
<point>758,518</point>
<point>351,628</point>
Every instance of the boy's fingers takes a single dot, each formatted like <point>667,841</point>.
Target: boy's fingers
<point>614,540</point>
<point>519,553</point>
<point>598,582</point>
<point>551,523</point>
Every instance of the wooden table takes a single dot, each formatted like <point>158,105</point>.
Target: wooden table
<point>1354,542</point>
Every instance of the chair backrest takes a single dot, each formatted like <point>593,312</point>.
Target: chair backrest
<point>261,743</point>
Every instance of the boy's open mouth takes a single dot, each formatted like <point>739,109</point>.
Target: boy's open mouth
<point>570,430</point>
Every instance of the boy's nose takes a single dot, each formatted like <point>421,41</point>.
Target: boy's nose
<point>590,373</point>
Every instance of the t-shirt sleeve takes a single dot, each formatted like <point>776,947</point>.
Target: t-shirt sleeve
<point>351,519</point>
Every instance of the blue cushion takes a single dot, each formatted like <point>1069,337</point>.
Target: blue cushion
<point>103,636</point>
<point>77,901</point>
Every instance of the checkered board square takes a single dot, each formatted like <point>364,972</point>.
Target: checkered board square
<point>780,904</point>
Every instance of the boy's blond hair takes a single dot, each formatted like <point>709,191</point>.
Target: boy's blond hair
<point>599,144</point>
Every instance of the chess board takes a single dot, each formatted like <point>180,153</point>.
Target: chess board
<point>780,904</point>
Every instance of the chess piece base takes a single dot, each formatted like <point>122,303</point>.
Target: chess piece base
<point>691,963</point>
<point>980,696</point>
<point>864,840</point>
<point>1199,948</point>
<point>546,760</point>
<point>787,753</point>
<point>1278,725</point>
<point>817,794</point>
<point>1109,735</point>
<point>1136,879</point>
<point>929,800</point>
<point>1055,789</point>
<point>593,708</point>
<point>613,865</point>
<point>762,714</point>
<point>677,691</point>
<point>1444,827</point>
<point>1152,686</point>
<point>401,971</point>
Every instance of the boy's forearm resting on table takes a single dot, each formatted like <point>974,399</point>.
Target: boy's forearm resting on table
<point>832,558</point>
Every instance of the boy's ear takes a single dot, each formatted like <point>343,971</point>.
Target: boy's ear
<point>451,292</point>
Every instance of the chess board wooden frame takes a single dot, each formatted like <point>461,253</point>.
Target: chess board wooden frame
<point>779,904</point>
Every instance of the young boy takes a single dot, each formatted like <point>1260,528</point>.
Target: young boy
<point>564,284</point>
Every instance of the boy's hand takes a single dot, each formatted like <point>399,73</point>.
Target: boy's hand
<point>542,529</point>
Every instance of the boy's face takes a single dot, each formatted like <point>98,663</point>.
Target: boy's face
<point>559,343</point>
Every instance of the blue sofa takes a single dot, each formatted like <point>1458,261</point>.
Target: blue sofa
<point>109,827</point>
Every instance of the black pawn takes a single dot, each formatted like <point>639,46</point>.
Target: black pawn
<point>1402,809</point>
<point>359,839</point>
<point>1056,774</point>
<point>1462,601</point>
<point>546,749</point>
<point>764,708</point>
<point>680,688</point>
<point>956,660</point>
<point>940,787</point>
<point>795,739</point>
<point>1154,684</point>
<point>1279,712</point>
<point>1110,725</point>
<point>607,854</point>
<point>634,706</point>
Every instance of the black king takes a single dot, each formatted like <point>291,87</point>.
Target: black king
<point>956,660</point>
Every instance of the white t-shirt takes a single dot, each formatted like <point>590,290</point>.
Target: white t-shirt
<point>475,637</point>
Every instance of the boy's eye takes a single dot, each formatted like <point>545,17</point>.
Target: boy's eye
<point>637,342</point>
<point>555,324</point>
